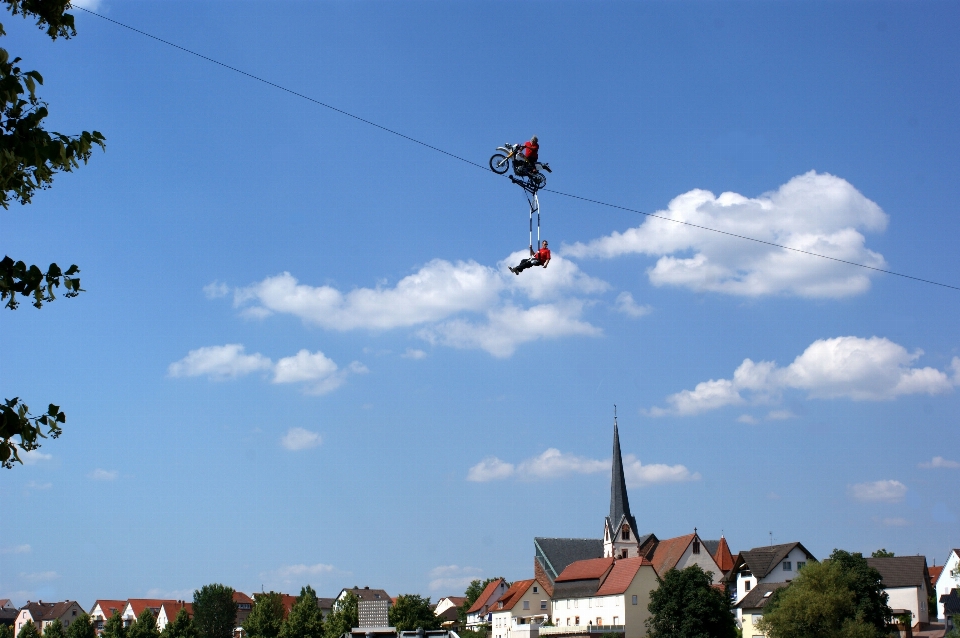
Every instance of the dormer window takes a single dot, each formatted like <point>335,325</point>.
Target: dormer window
<point>625,533</point>
<point>696,547</point>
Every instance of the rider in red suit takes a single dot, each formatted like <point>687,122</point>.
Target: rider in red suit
<point>539,258</point>
<point>531,152</point>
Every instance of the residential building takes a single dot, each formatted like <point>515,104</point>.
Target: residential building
<point>907,583</point>
<point>602,595</point>
<point>682,552</point>
<point>770,564</point>
<point>169,610</point>
<point>447,609</point>
<point>949,579</point>
<point>750,609</point>
<point>520,611</point>
<point>135,607</point>
<point>326,606</point>
<point>103,610</point>
<point>373,605</point>
<point>5,603</point>
<point>244,607</point>
<point>479,612</point>
<point>951,609</point>
<point>42,614</point>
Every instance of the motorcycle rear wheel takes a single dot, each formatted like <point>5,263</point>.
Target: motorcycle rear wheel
<point>539,180</point>
<point>499,163</point>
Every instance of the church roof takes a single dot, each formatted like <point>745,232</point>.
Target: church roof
<point>586,569</point>
<point>720,552</point>
<point>555,554</point>
<point>619,502</point>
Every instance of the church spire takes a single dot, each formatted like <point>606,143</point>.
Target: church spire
<point>619,503</point>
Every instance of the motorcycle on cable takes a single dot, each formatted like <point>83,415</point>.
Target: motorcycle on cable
<point>512,154</point>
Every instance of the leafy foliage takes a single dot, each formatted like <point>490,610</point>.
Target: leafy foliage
<point>145,626</point>
<point>50,15</point>
<point>344,617</point>
<point>81,627</point>
<point>841,597</point>
<point>29,630</point>
<point>412,611</point>
<point>266,617</point>
<point>214,612</point>
<point>882,553</point>
<point>305,619</point>
<point>114,628</point>
<point>181,627</point>
<point>6,631</point>
<point>54,630</point>
<point>686,605</point>
<point>16,278</point>
<point>16,420</point>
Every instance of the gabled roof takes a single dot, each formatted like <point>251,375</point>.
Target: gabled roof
<point>456,600</point>
<point>512,596</point>
<point>327,603</point>
<point>555,554</point>
<point>669,552</point>
<point>108,607</point>
<point>586,569</point>
<point>722,556</point>
<point>621,576</point>
<point>934,574</point>
<point>240,597</point>
<point>757,597</point>
<point>5,602</point>
<point>137,605</point>
<point>172,607</point>
<point>48,611</point>
<point>902,571</point>
<point>365,593</point>
<point>485,595</point>
<point>762,560</point>
<point>951,603</point>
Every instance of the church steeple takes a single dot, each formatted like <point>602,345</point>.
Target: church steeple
<point>619,502</point>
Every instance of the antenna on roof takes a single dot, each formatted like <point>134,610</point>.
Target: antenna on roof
<point>771,539</point>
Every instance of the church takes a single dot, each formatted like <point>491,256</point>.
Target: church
<point>622,540</point>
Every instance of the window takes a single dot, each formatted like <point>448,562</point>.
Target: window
<point>576,602</point>
<point>800,565</point>
<point>696,548</point>
<point>568,603</point>
<point>568,621</point>
<point>535,590</point>
<point>599,620</point>
<point>590,602</point>
<point>526,604</point>
<point>623,553</point>
<point>600,602</point>
<point>625,533</point>
<point>746,585</point>
<point>787,566</point>
<point>634,599</point>
<point>576,620</point>
<point>543,604</point>
<point>616,620</point>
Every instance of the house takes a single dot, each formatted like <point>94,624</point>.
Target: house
<point>721,554</point>
<point>770,564</point>
<point>907,583</point>
<point>43,614</point>
<point>520,611</point>
<point>103,610</point>
<point>682,552</point>
<point>602,595</point>
<point>373,606</point>
<point>447,609</point>
<point>326,606</point>
<point>169,610</point>
<point>478,614</point>
<point>244,607</point>
<point>951,609</point>
<point>949,579</point>
<point>135,607</point>
<point>750,609</point>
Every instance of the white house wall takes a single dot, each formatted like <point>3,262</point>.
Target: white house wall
<point>777,575</point>
<point>911,599</point>
<point>947,581</point>
<point>703,559</point>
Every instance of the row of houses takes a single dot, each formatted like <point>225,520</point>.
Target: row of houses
<point>582,587</point>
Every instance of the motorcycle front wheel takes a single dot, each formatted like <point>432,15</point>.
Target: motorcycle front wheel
<point>499,163</point>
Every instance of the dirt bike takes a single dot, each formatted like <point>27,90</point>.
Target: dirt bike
<point>511,153</point>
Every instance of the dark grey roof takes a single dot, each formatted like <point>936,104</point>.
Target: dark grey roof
<point>757,597</point>
<point>8,615</point>
<point>326,603</point>
<point>365,593</point>
<point>762,560</point>
<point>556,553</point>
<point>576,588</point>
<point>951,603</point>
<point>619,503</point>
<point>902,571</point>
<point>710,546</point>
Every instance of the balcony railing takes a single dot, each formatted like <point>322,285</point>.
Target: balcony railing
<point>566,630</point>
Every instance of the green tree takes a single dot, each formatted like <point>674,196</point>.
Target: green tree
<point>266,617</point>
<point>114,628</point>
<point>6,631</point>
<point>344,617</point>
<point>145,626</point>
<point>305,619</point>
<point>181,627</point>
<point>839,598</point>
<point>29,630</point>
<point>81,627</point>
<point>686,605</point>
<point>214,612</point>
<point>882,553</point>
<point>54,630</point>
<point>30,157</point>
<point>412,611</point>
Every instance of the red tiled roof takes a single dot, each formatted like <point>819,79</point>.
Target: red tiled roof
<point>623,572</point>
<point>108,606</point>
<point>934,573</point>
<point>669,552</point>
<point>456,600</point>
<point>586,569</point>
<point>137,605</point>
<point>240,597</point>
<point>723,557</point>
<point>512,595</point>
<point>173,608</point>
<point>485,596</point>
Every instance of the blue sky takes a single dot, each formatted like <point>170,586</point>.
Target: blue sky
<point>300,357</point>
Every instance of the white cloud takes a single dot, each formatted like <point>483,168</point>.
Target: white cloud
<point>813,212</point>
<point>413,353</point>
<point>319,372</point>
<point>939,462</point>
<point>490,469</point>
<point>629,307</point>
<point>219,362</point>
<point>452,577</point>
<point>780,415</point>
<point>216,289</point>
<point>879,491</point>
<point>16,549</point>
<point>553,464</point>
<point>103,475</point>
<point>40,577</point>
<point>92,5</point>
<point>300,439</point>
<point>639,475</point>
<point>33,457</point>
<point>748,419</point>
<point>873,369</point>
